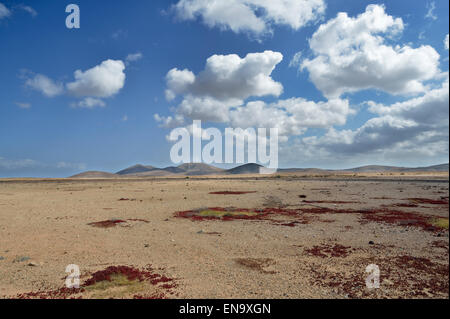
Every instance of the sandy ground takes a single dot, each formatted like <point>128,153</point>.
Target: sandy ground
<point>314,253</point>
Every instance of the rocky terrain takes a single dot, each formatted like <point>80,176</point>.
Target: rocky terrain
<point>281,236</point>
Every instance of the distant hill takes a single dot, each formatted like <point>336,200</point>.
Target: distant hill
<point>198,169</point>
<point>95,174</point>
<point>434,168</point>
<point>184,169</point>
<point>374,168</point>
<point>154,172</point>
<point>301,170</point>
<point>246,169</point>
<point>136,169</point>
<point>378,168</point>
<point>173,169</point>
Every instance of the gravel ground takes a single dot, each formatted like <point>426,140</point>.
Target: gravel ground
<point>322,251</point>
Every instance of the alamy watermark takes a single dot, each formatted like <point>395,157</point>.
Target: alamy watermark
<point>73,279</point>
<point>73,19</point>
<point>373,279</point>
<point>228,149</point>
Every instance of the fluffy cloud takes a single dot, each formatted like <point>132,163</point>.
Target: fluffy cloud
<point>169,121</point>
<point>45,85</point>
<point>416,128</point>
<point>4,11</point>
<point>207,109</point>
<point>218,94</point>
<point>102,81</point>
<point>226,82</point>
<point>254,16</point>
<point>229,77</point>
<point>429,109</point>
<point>89,103</point>
<point>351,55</point>
<point>446,42</point>
<point>292,116</point>
<point>178,82</point>
<point>133,57</point>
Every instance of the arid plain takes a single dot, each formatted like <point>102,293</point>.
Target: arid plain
<point>251,236</point>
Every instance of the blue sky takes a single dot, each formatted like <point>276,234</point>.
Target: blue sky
<point>53,133</point>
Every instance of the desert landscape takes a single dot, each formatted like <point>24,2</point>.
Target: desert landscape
<point>294,234</point>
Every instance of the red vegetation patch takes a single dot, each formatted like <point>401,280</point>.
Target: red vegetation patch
<point>268,214</point>
<point>382,215</point>
<point>328,202</point>
<point>293,224</point>
<point>131,273</point>
<point>307,215</point>
<point>325,251</point>
<point>409,276</point>
<point>107,223</point>
<point>138,220</point>
<point>115,222</point>
<point>232,193</point>
<point>399,218</point>
<point>403,205</point>
<point>440,244</point>
<point>429,201</point>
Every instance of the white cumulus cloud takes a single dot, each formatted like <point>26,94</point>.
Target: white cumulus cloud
<point>91,86</point>
<point>45,85</point>
<point>101,81</point>
<point>292,116</point>
<point>416,128</point>
<point>351,54</point>
<point>254,16</point>
<point>229,77</point>
<point>226,82</point>
<point>446,42</point>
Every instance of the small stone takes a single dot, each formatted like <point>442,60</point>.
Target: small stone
<point>388,282</point>
<point>33,264</point>
<point>371,243</point>
<point>146,245</point>
<point>2,258</point>
<point>20,259</point>
<point>200,231</point>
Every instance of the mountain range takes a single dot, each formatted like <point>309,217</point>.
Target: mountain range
<point>198,169</point>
